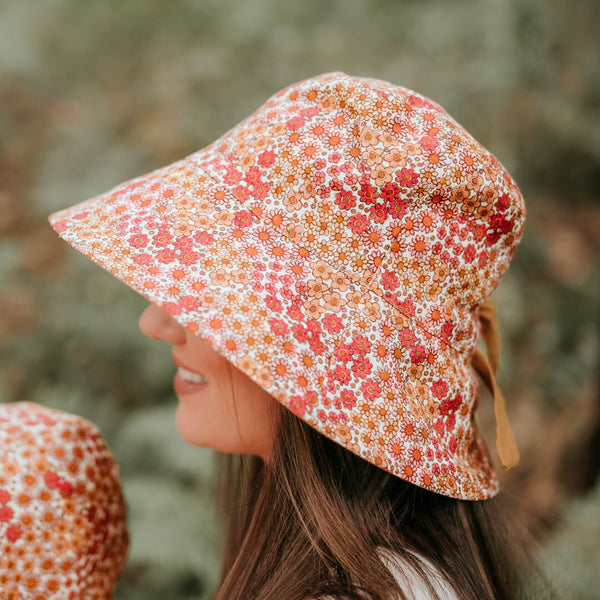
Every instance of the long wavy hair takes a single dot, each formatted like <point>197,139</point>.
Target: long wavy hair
<point>307,525</point>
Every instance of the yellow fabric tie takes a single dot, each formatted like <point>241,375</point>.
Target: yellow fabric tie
<point>507,450</point>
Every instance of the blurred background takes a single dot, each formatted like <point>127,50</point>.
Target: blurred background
<point>95,93</point>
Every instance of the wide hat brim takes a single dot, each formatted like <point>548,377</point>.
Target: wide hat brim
<point>331,350</point>
<point>286,324</point>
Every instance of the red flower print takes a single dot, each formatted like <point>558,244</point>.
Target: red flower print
<point>165,256</point>
<point>162,239</point>
<point>142,259</point>
<point>333,417</point>
<point>452,444</point>
<point>295,123</point>
<point>492,237</point>
<point>60,226</point>
<point>390,192</point>
<point>418,354</point>
<point>298,405</point>
<point>389,280</point>
<point>310,111</point>
<point>368,193</point>
<point>362,366</point>
<point>313,326</point>
<point>398,208</point>
<point>242,218</point>
<point>172,308</point>
<point>300,333</point>
<point>407,337</point>
<point>502,203</point>
<point>317,346</point>
<point>183,243</point>
<point>273,303</point>
<point>370,389</point>
<point>450,405</point>
<point>332,323</point>
<point>138,241</point>
<point>378,213</point>
<point>241,192</point>
<point>407,307</point>
<point>232,176</point>
<point>416,101</point>
<point>52,480</point>
<point>429,143</point>
<point>358,223</point>
<point>501,223</point>
<point>204,237</point>
<point>361,344</point>
<point>348,398</point>
<point>345,200</point>
<point>278,327</point>
<point>342,353</point>
<point>260,190</point>
<point>447,329</point>
<point>439,389</point>
<point>252,176</point>
<point>188,257</point>
<point>407,177</point>
<point>266,158</point>
<point>469,253</point>
<point>295,312</point>
<point>13,533</point>
<point>342,374</point>
<point>4,496</point>
<point>66,489</point>
<point>6,514</point>
<point>188,303</point>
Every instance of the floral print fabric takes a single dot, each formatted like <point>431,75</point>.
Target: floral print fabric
<point>63,532</point>
<point>335,246</point>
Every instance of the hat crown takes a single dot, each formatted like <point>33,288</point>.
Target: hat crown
<point>425,216</point>
<point>335,246</point>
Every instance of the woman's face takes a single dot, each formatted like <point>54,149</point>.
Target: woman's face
<point>207,414</point>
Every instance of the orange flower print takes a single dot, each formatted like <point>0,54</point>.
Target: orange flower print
<point>6,514</point>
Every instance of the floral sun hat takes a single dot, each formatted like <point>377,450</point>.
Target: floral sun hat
<point>338,246</point>
<point>63,533</point>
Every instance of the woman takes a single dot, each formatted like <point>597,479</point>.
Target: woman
<point>323,271</point>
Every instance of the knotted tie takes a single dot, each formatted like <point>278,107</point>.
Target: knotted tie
<point>507,450</point>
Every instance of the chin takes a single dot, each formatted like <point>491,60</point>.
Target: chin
<point>186,427</point>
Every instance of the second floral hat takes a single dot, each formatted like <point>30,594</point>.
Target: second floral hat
<point>63,521</point>
<point>338,246</point>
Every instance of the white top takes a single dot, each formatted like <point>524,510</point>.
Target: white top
<point>417,584</point>
<point>411,582</point>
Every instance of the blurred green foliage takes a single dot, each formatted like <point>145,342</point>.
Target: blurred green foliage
<point>95,93</point>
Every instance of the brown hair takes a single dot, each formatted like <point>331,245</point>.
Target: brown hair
<point>307,524</point>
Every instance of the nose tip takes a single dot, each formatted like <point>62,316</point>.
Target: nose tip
<point>158,324</point>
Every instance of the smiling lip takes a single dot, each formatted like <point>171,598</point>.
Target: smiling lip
<point>185,386</point>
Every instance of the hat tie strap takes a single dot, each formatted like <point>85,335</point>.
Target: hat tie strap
<point>506,448</point>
